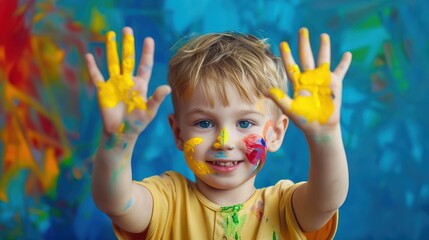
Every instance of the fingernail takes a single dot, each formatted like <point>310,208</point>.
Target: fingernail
<point>304,32</point>
<point>324,37</point>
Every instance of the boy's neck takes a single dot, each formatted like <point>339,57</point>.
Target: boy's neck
<point>227,197</point>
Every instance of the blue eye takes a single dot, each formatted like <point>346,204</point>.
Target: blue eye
<point>205,124</point>
<point>245,124</point>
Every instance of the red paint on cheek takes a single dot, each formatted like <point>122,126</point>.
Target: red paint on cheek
<point>256,149</point>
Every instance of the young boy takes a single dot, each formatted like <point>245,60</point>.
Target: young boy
<point>229,110</point>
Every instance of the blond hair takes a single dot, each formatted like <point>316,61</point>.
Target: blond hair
<point>212,59</point>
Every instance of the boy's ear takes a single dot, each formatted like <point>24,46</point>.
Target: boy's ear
<point>174,124</point>
<point>279,130</point>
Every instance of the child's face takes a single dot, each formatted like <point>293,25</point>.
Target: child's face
<point>224,146</point>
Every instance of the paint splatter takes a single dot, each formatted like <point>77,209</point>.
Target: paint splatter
<point>221,139</point>
<point>258,210</point>
<point>220,154</point>
<point>128,204</point>
<point>256,149</point>
<point>198,167</point>
<point>110,142</point>
<point>233,222</point>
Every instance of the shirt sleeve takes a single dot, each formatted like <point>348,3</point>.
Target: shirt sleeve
<point>162,189</point>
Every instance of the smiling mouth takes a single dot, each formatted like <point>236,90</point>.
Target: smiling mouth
<point>225,163</point>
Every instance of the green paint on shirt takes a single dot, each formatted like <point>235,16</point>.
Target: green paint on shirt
<point>233,221</point>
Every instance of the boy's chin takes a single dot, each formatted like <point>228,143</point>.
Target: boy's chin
<point>220,182</point>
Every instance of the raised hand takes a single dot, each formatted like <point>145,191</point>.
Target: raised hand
<point>317,91</point>
<point>125,108</point>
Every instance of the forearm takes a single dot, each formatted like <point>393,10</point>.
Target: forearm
<point>112,175</point>
<point>328,175</point>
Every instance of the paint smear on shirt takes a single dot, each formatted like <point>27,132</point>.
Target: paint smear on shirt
<point>233,222</point>
<point>198,167</point>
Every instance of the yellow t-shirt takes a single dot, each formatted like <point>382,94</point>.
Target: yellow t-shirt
<point>180,211</point>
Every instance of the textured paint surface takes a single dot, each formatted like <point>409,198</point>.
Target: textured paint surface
<point>318,105</point>
<point>197,166</point>
<point>50,124</point>
<point>232,221</point>
<point>118,88</point>
<point>277,93</point>
<point>312,95</point>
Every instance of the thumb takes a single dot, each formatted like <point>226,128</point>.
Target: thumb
<point>157,98</point>
<point>282,100</point>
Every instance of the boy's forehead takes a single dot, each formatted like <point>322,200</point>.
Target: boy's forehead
<point>231,92</point>
<point>198,99</point>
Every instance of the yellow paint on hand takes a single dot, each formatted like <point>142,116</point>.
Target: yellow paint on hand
<point>285,47</point>
<point>293,69</point>
<point>304,32</point>
<point>221,139</point>
<point>325,38</point>
<point>198,167</point>
<point>318,106</point>
<point>121,128</point>
<point>118,87</point>
<point>112,54</point>
<point>128,55</point>
<point>277,94</point>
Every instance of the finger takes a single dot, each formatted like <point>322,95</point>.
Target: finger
<point>146,60</point>
<point>157,98</point>
<point>128,52</point>
<point>305,54</point>
<point>94,72</point>
<point>288,61</point>
<point>344,65</point>
<point>112,54</point>
<point>325,50</point>
<point>282,100</point>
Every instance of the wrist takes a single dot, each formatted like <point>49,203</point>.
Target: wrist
<point>324,135</point>
<point>117,143</point>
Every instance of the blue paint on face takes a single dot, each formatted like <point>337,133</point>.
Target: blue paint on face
<point>220,155</point>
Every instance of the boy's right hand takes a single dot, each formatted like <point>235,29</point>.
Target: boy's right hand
<point>125,108</point>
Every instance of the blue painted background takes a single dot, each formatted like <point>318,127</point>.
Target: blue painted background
<point>384,116</point>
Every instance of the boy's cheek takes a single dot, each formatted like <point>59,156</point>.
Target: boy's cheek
<point>196,165</point>
<point>256,149</point>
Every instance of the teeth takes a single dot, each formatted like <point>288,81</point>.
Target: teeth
<point>225,164</point>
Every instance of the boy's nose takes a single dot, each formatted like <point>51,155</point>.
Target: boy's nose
<point>222,142</point>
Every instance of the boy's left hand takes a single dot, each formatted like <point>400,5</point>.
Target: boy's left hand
<point>315,106</point>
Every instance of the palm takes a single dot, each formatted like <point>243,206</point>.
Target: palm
<point>316,102</point>
<point>118,116</point>
<point>123,98</point>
